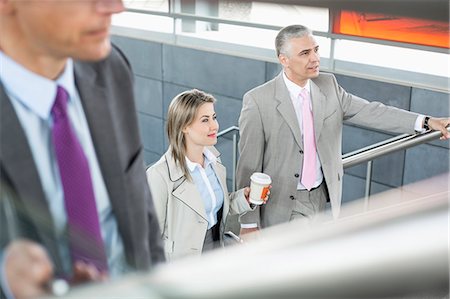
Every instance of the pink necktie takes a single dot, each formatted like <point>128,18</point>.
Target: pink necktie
<point>85,241</point>
<point>309,143</point>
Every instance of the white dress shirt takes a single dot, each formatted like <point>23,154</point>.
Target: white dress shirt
<point>208,185</point>
<point>297,101</point>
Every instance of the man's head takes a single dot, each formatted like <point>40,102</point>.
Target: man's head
<point>56,29</point>
<point>297,51</point>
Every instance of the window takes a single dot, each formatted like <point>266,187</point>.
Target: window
<point>394,28</point>
<point>410,50</point>
<point>393,57</point>
<point>151,5</point>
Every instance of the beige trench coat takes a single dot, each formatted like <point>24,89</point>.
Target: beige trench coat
<point>180,209</point>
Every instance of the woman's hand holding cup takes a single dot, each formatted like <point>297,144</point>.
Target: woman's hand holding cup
<point>259,190</point>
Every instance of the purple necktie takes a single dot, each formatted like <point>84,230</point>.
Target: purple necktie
<point>85,239</point>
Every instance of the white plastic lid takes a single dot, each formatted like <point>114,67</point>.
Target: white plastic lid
<point>261,178</point>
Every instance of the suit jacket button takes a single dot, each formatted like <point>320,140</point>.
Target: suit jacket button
<point>301,151</point>
<point>296,175</point>
<point>292,197</point>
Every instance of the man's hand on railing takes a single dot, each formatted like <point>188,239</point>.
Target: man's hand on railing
<point>440,124</point>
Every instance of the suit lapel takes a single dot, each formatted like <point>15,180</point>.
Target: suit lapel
<point>92,96</point>
<point>318,103</point>
<point>98,113</point>
<point>18,163</point>
<point>286,108</point>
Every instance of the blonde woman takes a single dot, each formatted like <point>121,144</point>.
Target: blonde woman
<point>188,183</point>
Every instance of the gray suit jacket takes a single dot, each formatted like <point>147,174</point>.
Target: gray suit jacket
<point>106,92</point>
<point>271,140</point>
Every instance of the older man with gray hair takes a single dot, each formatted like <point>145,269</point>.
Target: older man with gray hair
<point>291,129</point>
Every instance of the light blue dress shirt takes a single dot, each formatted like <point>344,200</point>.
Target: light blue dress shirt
<point>32,97</point>
<point>207,183</point>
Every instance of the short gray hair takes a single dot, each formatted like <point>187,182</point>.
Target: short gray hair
<point>286,34</point>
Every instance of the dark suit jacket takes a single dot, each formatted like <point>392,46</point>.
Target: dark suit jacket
<point>106,92</point>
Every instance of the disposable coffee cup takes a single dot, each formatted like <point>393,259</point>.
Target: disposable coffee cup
<point>259,187</point>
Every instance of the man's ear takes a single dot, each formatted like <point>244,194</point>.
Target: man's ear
<point>282,58</point>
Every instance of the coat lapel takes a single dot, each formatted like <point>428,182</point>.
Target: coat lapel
<point>186,191</point>
<point>18,163</point>
<point>286,108</point>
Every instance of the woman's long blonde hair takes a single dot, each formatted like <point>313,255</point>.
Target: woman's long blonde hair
<point>181,114</point>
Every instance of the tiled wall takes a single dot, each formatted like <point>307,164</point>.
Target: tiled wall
<point>162,71</point>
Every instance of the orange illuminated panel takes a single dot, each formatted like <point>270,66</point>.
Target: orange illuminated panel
<point>394,28</point>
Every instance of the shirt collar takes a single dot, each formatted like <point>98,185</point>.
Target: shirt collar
<point>295,89</point>
<point>210,158</point>
<point>39,93</point>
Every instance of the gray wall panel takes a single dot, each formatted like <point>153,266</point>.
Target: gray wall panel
<point>221,74</point>
<point>227,110</point>
<point>148,94</point>
<point>425,161</point>
<point>432,103</point>
<point>145,57</point>
<point>165,137</point>
<point>388,170</point>
<point>377,188</point>
<point>151,129</point>
<point>272,70</point>
<point>389,94</point>
<point>170,91</point>
<point>151,157</point>
<point>352,188</point>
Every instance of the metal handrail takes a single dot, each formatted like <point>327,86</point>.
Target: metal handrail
<point>389,146</point>
<point>366,154</point>
<point>227,130</point>
<point>235,131</point>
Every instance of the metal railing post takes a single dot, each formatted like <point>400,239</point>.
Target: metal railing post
<point>233,178</point>
<point>233,129</point>
<point>368,184</point>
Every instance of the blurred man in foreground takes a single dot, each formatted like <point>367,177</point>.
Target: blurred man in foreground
<point>70,149</point>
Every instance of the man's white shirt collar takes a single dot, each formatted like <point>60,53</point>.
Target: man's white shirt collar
<point>294,89</point>
<point>40,92</point>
